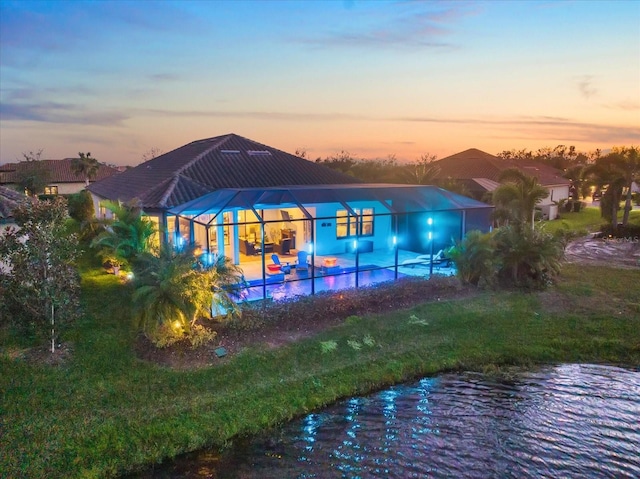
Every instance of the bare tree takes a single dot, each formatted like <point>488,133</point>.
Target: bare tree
<point>151,153</point>
<point>302,153</point>
<point>423,171</point>
<point>32,174</point>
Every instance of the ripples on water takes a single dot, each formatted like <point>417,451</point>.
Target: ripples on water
<point>576,421</point>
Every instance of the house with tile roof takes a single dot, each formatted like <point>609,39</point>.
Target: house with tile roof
<point>61,178</point>
<point>479,172</point>
<point>246,200</point>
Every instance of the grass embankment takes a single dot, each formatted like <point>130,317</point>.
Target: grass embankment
<point>104,412</point>
<point>588,219</point>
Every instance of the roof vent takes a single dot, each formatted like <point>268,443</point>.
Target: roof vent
<point>259,153</point>
<point>230,152</point>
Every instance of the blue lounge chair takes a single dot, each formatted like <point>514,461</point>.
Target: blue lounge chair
<point>302,264</point>
<point>285,268</point>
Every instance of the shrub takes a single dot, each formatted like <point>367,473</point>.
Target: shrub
<point>512,256</point>
<point>196,337</point>
<point>81,207</point>
<point>527,258</point>
<point>474,259</point>
<point>349,304</point>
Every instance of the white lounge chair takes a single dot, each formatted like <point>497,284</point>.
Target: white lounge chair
<point>424,260</point>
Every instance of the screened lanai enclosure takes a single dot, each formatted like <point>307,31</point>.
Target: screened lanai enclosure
<point>300,240</point>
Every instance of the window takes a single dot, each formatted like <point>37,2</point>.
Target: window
<point>366,222</point>
<point>348,226</point>
<point>50,190</point>
<point>342,224</point>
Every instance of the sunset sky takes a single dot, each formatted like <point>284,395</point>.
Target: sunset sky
<point>370,77</point>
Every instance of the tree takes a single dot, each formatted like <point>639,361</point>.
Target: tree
<point>518,196</point>
<point>454,186</point>
<point>32,175</point>
<point>85,166</point>
<point>630,162</point>
<point>474,258</point>
<point>609,173</point>
<point>509,257</point>
<point>151,153</point>
<point>127,236</point>
<point>423,171</point>
<point>81,206</point>
<point>342,162</point>
<point>379,170</point>
<point>175,288</point>
<point>40,290</point>
<point>527,258</point>
<point>82,212</point>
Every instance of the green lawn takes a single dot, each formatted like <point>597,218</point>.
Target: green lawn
<point>105,412</point>
<point>588,220</point>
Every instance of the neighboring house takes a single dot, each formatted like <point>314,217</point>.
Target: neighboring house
<point>479,172</point>
<point>246,200</point>
<point>62,179</point>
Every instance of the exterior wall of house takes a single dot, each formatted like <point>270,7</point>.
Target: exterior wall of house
<point>100,214</point>
<point>556,193</point>
<point>69,188</point>
<point>326,241</point>
<point>63,187</point>
<point>548,205</point>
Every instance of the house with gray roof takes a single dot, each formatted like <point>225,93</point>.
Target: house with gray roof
<point>246,200</point>
<point>479,172</point>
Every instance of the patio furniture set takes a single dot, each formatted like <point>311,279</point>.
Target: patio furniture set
<point>278,269</point>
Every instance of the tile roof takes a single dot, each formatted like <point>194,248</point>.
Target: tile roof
<point>203,166</point>
<point>475,164</point>
<point>9,199</point>
<point>59,170</point>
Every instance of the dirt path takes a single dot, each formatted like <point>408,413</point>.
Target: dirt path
<point>617,252</point>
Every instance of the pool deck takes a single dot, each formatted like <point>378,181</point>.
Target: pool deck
<point>374,267</point>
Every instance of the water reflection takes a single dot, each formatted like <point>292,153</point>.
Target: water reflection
<point>564,421</point>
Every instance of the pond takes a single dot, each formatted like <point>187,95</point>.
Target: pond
<point>572,421</point>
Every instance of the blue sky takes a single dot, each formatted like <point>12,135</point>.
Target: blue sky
<point>373,78</point>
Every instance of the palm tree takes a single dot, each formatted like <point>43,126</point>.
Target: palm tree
<point>128,235</point>
<point>518,195</point>
<point>631,168</point>
<point>85,166</point>
<point>176,288</point>
<point>474,258</point>
<point>227,282</point>
<point>613,173</point>
<point>527,258</point>
<point>169,291</point>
